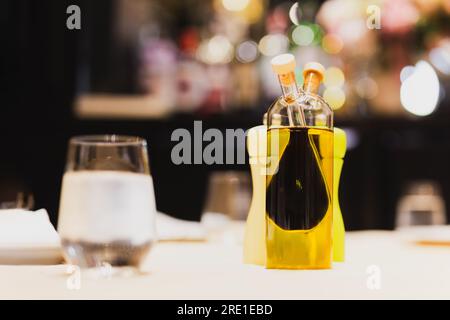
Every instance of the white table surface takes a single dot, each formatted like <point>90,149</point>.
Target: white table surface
<point>214,270</point>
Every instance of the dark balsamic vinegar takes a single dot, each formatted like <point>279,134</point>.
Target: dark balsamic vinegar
<point>298,197</point>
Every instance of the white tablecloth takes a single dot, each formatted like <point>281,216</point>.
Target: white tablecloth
<point>214,270</point>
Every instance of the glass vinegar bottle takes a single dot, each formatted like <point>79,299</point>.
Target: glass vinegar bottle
<point>299,172</point>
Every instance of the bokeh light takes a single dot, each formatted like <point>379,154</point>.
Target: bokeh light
<point>366,88</point>
<point>247,51</point>
<point>406,72</point>
<point>352,31</point>
<point>303,35</point>
<point>273,44</point>
<point>419,93</point>
<point>235,5</point>
<point>318,33</point>
<point>440,58</point>
<point>353,138</point>
<point>335,97</point>
<point>334,77</point>
<point>254,11</point>
<point>217,50</point>
<point>295,14</point>
<point>332,44</point>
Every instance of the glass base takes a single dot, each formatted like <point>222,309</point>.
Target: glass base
<point>106,259</point>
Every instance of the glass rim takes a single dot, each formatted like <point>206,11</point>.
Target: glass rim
<point>107,140</point>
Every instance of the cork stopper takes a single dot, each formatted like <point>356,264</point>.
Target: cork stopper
<point>314,67</point>
<point>313,75</point>
<point>283,64</point>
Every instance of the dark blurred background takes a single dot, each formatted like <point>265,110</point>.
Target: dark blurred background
<point>147,67</point>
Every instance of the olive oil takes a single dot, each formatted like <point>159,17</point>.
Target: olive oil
<point>299,210</point>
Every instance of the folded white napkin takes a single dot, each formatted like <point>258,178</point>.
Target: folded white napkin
<point>28,237</point>
<point>169,228</point>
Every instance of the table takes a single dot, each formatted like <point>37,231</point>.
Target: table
<point>379,266</point>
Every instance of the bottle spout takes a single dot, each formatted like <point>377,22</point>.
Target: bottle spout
<point>284,66</point>
<point>313,75</point>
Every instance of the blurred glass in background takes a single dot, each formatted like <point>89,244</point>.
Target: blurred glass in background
<point>229,193</point>
<point>421,204</point>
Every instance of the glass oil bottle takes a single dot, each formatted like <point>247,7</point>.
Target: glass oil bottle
<point>299,172</point>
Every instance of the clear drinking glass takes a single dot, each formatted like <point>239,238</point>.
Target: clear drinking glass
<point>421,204</point>
<point>107,206</point>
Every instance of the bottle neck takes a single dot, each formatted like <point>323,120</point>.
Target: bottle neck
<point>289,86</point>
<point>312,82</point>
